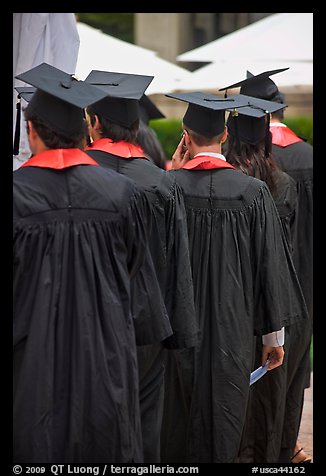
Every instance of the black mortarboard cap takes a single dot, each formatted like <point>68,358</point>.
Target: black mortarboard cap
<point>206,112</point>
<point>123,92</point>
<point>25,92</point>
<point>256,107</point>
<point>248,129</point>
<point>148,110</point>
<point>260,85</point>
<point>59,98</point>
<point>250,124</point>
<point>122,85</point>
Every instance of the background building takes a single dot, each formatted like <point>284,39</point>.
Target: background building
<point>173,33</point>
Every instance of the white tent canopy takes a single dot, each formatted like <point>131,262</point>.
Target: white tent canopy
<point>278,37</point>
<point>223,73</point>
<point>278,41</point>
<point>103,52</point>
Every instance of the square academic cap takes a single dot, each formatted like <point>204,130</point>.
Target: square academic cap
<point>122,85</point>
<point>59,98</point>
<point>148,110</point>
<point>260,85</point>
<point>256,107</point>
<point>25,92</point>
<point>250,123</point>
<point>206,112</point>
<point>123,92</point>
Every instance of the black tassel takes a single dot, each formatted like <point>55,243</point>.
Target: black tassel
<point>267,137</point>
<point>236,133</point>
<point>17,127</point>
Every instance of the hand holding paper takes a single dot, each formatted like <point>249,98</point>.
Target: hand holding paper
<point>272,357</point>
<point>275,356</point>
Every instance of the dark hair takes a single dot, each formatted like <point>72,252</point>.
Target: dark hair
<point>53,139</point>
<point>201,140</point>
<point>114,131</point>
<point>278,114</point>
<point>149,142</point>
<point>251,160</point>
<point>280,98</point>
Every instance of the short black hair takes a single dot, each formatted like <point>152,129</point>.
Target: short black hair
<point>114,131</point>
<point>202,140</point>
<point>53,139</point>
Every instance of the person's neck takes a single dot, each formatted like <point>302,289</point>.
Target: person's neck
<point>215,148</point>
<point>272,119</point>
<point>39,148</point>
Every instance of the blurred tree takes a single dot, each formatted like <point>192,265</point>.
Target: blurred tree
<point>119,25</point>
<point>168,132</point>
<point>302,126</point>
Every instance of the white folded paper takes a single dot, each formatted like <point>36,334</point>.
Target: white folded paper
<point>258,373</point>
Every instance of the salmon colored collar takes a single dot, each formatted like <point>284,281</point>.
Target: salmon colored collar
<point>204,162</point>
<point>121,149</point>
<point>59,159</point>
<point>283,136</point>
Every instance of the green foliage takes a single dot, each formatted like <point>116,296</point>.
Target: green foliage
<point>169,133</point>
<point>302,126</point>
<point>119,25</point>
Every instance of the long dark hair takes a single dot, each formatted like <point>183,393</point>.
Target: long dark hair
<point>251,160</point>
<point>149,142</point>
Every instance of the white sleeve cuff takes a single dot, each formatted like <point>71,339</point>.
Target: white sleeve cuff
<point>274,339</point>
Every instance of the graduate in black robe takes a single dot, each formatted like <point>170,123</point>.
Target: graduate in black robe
<point>295,157</point>
<point>113,127</point>
<point>244,284</point>
<point>249,150</point>
<point>148,309</point>
<point>80,237</point>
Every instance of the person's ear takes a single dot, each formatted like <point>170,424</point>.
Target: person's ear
<point>225,135</point>
<point>31,131</point>
<point>187,137</point>
<point>97,125</point>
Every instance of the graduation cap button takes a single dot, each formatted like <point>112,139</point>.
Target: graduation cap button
<point>66,83</point>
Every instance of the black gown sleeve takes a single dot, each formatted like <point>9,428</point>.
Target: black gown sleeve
<point>278,298</point>
<point>150,316</point>
<point>179,288</point>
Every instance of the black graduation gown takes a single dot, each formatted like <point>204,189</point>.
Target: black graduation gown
<point>244,285</point>
<point>272,399</point>
<point>79,236</point>
<point>296,159</point>
<point>285,197</point>
<point>170,254</point>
